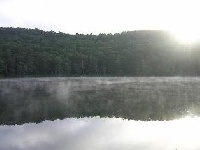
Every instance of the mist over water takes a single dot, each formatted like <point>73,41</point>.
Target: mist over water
<point>36,99</point>
<point>162,113</point>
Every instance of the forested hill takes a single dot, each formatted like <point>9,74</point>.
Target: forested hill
<point>33,52</point>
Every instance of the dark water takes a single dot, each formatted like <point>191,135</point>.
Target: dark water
<point>38,99</point>
<point>134,113</point>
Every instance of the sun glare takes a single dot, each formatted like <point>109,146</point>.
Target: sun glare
<point>187,36</point>
<point>184,22</point>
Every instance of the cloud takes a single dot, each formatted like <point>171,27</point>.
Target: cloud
<point>102,134</point>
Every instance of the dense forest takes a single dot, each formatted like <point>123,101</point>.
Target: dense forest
<point>33,52</point>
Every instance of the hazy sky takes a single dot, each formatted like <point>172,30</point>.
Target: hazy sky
<point>100,16</point>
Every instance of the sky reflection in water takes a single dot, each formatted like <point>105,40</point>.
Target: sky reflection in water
<point>102,134</point>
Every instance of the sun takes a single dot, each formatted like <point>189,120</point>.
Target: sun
<point>180,17</point>
<point>186,36</point>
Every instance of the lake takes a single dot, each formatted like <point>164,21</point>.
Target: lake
<point>100,113</point>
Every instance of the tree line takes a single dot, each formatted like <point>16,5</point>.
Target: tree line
<point>33,52</point>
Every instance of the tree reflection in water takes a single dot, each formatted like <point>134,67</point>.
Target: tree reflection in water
<point>143,98</point>
<point>147,99</point>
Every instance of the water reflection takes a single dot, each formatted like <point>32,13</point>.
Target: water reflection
<point>143,98</point>
<point>102,134</point>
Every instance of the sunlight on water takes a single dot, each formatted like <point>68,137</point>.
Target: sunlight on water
<point>103,133</point>
<point>186,132</point>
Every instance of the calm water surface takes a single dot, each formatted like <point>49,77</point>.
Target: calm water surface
<point>152,113</point>
<point>102,134</point>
